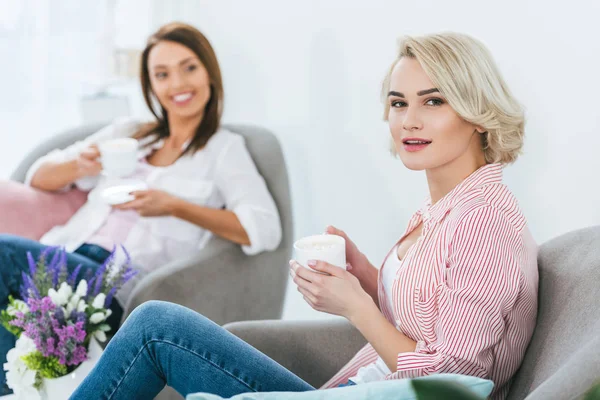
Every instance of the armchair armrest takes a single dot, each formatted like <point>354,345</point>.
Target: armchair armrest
<point>314,350</point>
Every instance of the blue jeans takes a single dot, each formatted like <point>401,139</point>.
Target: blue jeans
<point>13,260</point>
<point>167,344</point>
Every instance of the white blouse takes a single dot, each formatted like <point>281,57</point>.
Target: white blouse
<point>221,175</point>
<point>378,370</point>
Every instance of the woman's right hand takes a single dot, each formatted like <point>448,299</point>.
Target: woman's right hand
<point>87,162</point>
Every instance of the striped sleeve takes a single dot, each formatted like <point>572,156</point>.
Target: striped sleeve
<point>365,356</point>
<point>466,310</point>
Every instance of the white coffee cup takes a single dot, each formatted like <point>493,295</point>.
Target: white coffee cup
<point>118,156</point>
<point>328,248</point>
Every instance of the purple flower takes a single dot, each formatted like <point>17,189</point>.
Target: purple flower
<point>39,323</point>
<point>59,316</point>
<point>70,350</point>
<point>32,264</point>
<point>28,288</point>
<point>73,277</point>
<point>109,297</point>
<point>54,265</point>
<point>99,277</point>
<point>127,256</point>
<point>50,345</point>
<point>53,332</point>
<point>78,316</point>
<point>128,275</point>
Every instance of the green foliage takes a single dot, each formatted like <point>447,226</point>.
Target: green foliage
<point>42,280</point>
<point>593,393</point>
<point>48,367</point>
<point>432,389</point>
<point>6,318</point>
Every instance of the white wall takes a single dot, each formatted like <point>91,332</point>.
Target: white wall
<point>50,52</point>
<point>311,71</point>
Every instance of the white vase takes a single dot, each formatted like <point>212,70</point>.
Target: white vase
<point>61,388</point>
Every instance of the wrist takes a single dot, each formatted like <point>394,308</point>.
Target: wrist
<point>174,206</point>
<point>363,312</point>
<point>367,275</point>
<point>78,172</point>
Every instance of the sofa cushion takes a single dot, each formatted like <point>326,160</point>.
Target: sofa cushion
<point>29,212</point>
<point>397,389</point>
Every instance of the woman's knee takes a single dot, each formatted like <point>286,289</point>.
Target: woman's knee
<point>8,241</point>
<point>161,319</point>
<point>12,243</point>
<point>155,314</point>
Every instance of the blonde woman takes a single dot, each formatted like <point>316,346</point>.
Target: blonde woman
<point>456,294</point>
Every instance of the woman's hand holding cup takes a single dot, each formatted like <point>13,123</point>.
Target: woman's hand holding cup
<point>88,163</point>
<point>319,271</point>
<point>357,262</point>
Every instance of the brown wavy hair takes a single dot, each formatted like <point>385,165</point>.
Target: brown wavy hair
<point>194,40</point>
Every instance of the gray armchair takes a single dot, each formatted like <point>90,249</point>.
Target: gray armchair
<point>220,282</point>
<point>563,358</point>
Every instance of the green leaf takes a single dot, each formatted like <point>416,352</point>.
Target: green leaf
<point>431,389</point>
<point>5,321</point>
<point>48,367</point>
<point>6,318</point>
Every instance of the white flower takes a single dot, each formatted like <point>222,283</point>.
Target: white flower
<point>61,297</point>
<point>18,377</point>
<point>108,313</point>
<point>25,345</point>
<point>82,288</point>
<point>22,383</point>
<point>65,290</point>
<point>19,305</point>
<point>81,306</point>
<point>97,317</point>
<point>104,327</point>
<point>74,300</point>
<point>72,304</point>
<point>53,294</point>
<point>100,335</point>
<point>99,301</point>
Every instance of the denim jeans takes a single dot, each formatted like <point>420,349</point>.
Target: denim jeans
<point>13,260</point>
<point>167,344</point>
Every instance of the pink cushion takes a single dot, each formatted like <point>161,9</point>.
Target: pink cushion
<point>29,212</point>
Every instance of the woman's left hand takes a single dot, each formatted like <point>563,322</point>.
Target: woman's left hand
<point>150,203</point>
<point>335,291</point>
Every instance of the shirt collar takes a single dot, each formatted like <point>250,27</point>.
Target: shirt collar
<point>488,174</point>
<point>160,143</point>
<point>148,147</point>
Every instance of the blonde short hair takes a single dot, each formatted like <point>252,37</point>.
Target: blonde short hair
<point>464,72</point>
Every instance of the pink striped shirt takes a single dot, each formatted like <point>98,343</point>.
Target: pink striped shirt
<point>466,291</point>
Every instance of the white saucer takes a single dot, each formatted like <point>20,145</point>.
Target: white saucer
<point>121,193</point>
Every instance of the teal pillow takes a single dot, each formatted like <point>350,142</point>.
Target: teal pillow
<point>397,389</point>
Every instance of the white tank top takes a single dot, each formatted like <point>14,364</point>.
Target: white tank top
<point>377,371</point>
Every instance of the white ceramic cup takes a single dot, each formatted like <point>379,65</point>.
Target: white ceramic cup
<point>328,248</point>
<point>118,156</point>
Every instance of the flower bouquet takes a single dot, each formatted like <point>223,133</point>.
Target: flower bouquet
<point>58,323</point>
